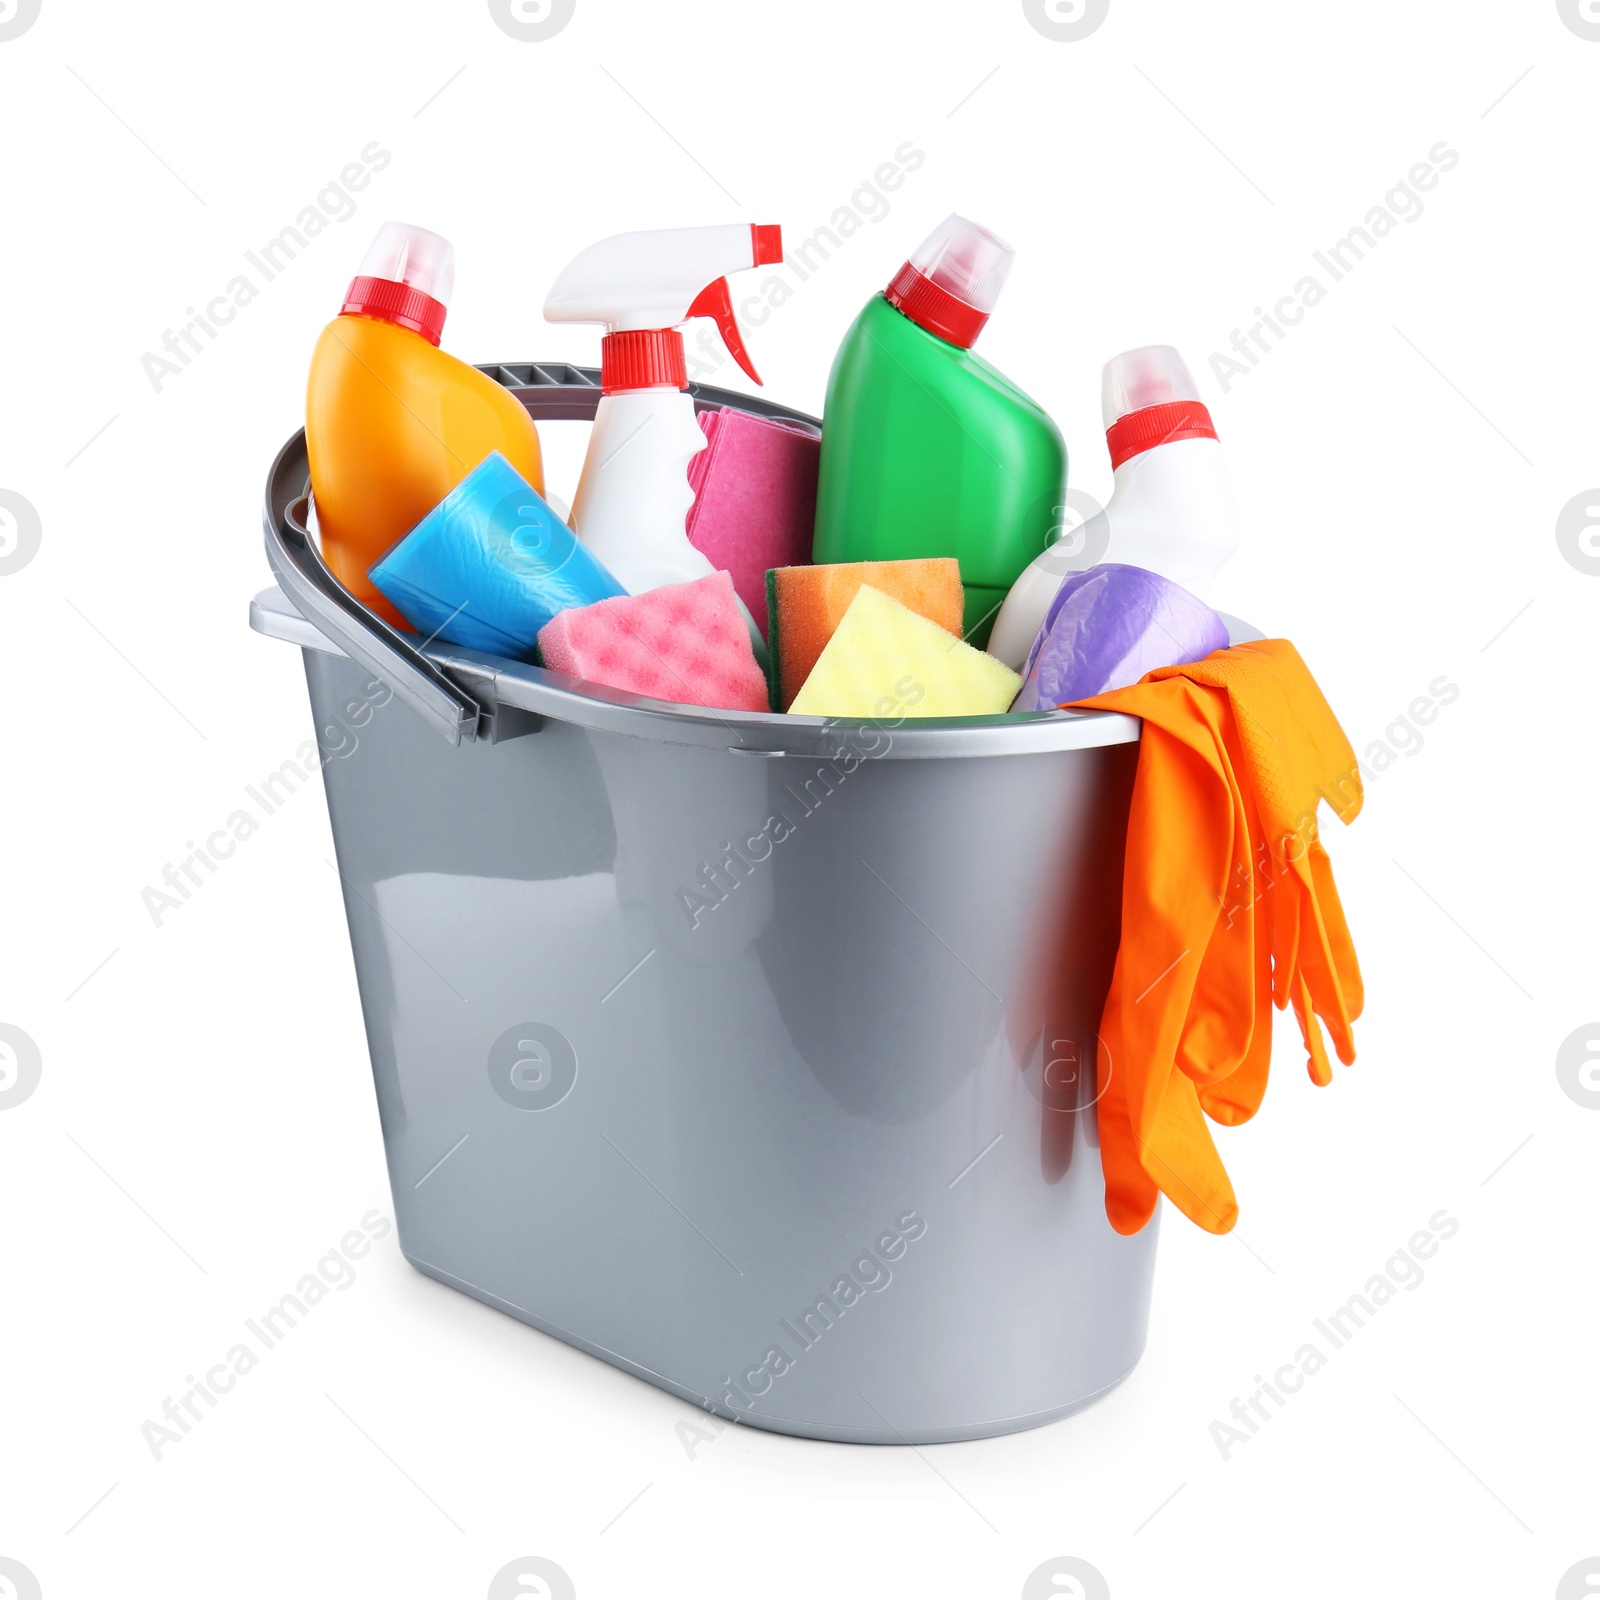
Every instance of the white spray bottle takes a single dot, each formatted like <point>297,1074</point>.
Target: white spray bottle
<point>634,491</point>
<point>1171,509</point>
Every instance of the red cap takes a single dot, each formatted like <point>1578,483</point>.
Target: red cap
<point>642,358</point>
<point>389,301</point>
<point>952,281</point>
<point>935,309</point>
<point>1143,430</point>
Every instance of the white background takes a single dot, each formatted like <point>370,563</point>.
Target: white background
<point>205,1128</point>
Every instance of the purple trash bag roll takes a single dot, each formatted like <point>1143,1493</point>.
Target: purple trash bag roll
<point>1109,626</point>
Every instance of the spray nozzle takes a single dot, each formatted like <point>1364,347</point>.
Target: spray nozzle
<point>641,286</point>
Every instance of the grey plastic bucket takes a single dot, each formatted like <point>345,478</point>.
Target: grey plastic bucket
<point>754,1055</point>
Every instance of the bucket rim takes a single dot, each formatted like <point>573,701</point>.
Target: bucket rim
<point>500,684</point>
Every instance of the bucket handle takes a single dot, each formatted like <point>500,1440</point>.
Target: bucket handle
<point>364,636</point>
<point>550,391</point>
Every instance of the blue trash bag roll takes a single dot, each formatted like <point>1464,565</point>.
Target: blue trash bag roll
<point>1109,626</point>
<point>490,565</point>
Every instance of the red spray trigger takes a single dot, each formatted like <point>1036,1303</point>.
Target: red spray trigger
<point>715,302</point>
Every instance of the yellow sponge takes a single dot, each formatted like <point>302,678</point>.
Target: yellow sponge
<point>886,661</point>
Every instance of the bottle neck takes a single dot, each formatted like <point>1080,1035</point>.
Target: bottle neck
<point>385,300</point>
<point>937,310</point>
<point>642,358</point>
<point>1139,431</point>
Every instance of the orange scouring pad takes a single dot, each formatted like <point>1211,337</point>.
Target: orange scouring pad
<point>806,604</point>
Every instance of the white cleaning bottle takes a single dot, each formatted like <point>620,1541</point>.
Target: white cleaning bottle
<point>634,494</point>
<point>1171,509</point>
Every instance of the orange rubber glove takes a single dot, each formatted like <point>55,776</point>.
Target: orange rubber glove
<point>1228,906</point>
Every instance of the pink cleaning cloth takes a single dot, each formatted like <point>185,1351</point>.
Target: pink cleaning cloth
<point>755,499</point>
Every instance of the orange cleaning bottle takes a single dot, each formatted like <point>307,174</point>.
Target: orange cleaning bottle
<point>393,424</point>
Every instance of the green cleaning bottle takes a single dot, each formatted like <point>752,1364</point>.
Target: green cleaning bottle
<point>926,449</point>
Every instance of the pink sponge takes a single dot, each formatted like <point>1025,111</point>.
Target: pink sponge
<point>684,641</point>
